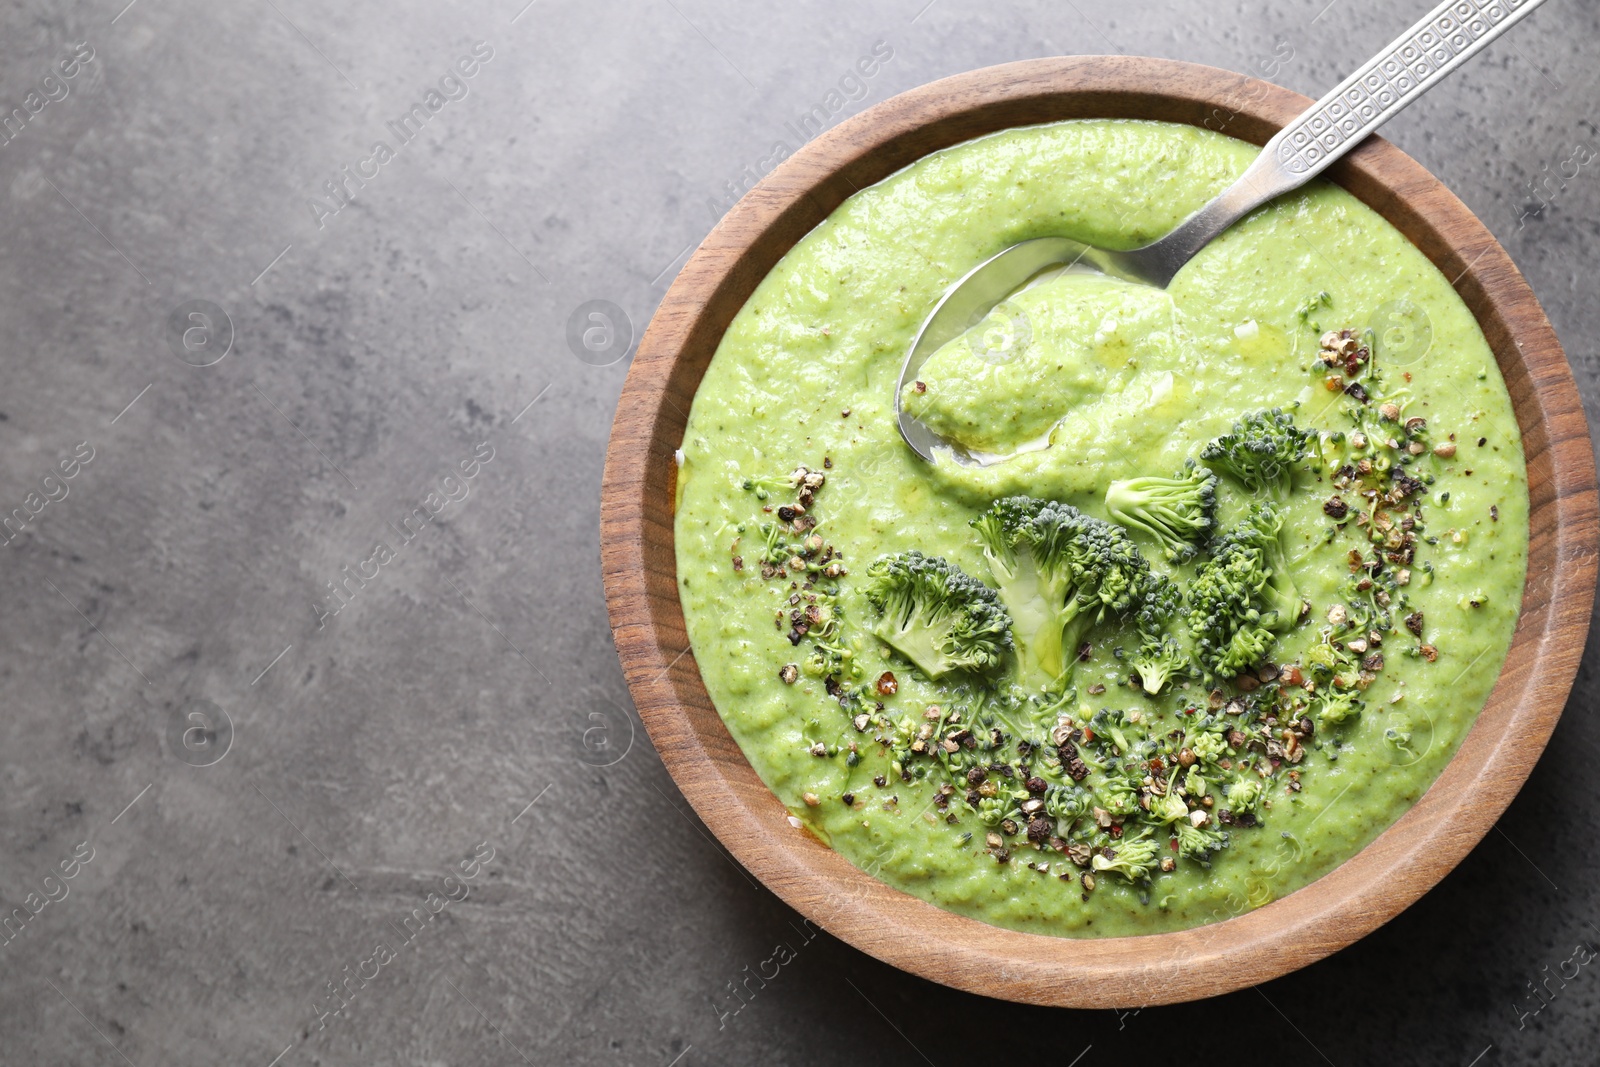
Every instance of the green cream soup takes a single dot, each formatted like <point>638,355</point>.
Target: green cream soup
<point>1083,805</point>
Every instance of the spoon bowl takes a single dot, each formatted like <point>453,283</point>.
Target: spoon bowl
<point>962,307</point>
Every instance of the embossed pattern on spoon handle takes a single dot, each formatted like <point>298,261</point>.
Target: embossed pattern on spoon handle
<point>1413,63</point>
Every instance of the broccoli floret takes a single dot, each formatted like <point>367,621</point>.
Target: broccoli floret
<point>1178,511</point>
<point>1156,663</point>
<point>1169,808</point>
<point>1160,656</point>
<point>1335,706</point>
<point>1059,572</point>
<point>1242,597</point>
<point>1119,795</point>
<point>1243,794</point>
<point>1208,747</point>
<point>1247,647</point>
<point>1197,842</point>
<point>1262,529</point>
<point>992,811</point>
<point>1324,657</point>
<point>936,615</point>
<point>1261,453</point>
<point>1132,859</point>
<point>1067,804</point>
<point>1223,614</point>
<point>1161,602</point>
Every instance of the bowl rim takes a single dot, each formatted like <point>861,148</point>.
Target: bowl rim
<point>639,568</point>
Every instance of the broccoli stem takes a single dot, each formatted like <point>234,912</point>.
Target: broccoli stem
<point>1073,627</point>
<point>1051,638</point>
<point>918,642</point>
<point>1156,662</point>
<point>1174,511</point>
<point>1280,593</point>
<point>1019,585</point>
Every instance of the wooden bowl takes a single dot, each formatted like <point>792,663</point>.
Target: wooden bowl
<point>636,527</point>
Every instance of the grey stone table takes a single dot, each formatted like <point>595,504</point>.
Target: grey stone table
<point>308,654</point>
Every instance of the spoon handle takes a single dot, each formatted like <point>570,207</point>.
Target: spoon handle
<point>1413,63</point>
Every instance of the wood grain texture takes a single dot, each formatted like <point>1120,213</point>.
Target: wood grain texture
<point>1365,892</point>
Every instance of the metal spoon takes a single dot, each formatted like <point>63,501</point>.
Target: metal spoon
<point>1415,62</point>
